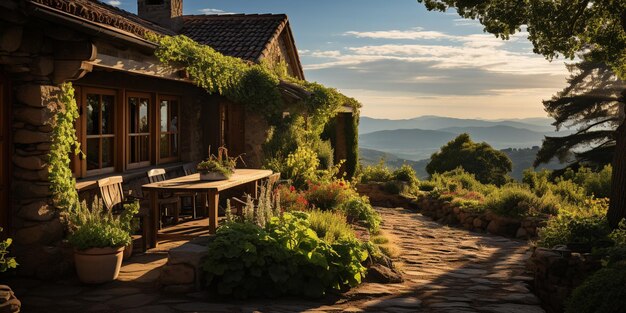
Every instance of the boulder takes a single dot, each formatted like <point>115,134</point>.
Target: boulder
<point>177,274</point>
<point>39,211</point>
<point>378,273</point>
<point>40,233</point>
<point>503,226</point>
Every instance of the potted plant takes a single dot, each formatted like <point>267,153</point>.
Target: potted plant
<point>98,239</point>
<point>218,167</point>
<point>129,223</point>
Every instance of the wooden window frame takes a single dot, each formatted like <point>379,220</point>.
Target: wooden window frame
<point>150,133</point>
<point>176,157</point>
<point>83,137</point>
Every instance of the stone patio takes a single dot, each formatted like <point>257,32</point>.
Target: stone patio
<point>445,270</point>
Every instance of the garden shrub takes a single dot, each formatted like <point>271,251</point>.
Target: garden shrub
<point>469,205</point>
<point>584,226</point>
<point>602,292</point>
<point>292,199</point>
<point>286,257</point>
<point>393,187</point>
<point>406,174</point>
<point>377,173</point>
<point>359,209</point>
<point>427,186</point>
<point>301,166</point>
<point>328,195</point>
<point>569,191</point>
<point>517,201</point>
<point>325,153</point>
<point>330,226</point>
<point>597,184</point>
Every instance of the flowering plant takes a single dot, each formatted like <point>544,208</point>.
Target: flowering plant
<point>292,199</point>
<point>330,194</point>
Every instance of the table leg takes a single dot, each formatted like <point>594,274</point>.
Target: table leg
<point>253,189</point>
<point>154,216</point>
<point>213,202</point>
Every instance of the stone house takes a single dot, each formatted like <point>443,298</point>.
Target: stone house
<point>135,114</point>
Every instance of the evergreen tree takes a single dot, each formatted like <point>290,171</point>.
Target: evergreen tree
<point>590,104</point>
<point>489,165</point>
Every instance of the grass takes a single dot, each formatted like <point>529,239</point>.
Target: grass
<point>331,226</point>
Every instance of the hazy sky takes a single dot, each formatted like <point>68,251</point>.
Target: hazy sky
<point>402,61</point>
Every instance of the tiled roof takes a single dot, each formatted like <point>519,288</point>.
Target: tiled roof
<point>245,36</point>
<point>104,14</point>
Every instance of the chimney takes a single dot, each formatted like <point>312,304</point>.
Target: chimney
<point>167,13</point>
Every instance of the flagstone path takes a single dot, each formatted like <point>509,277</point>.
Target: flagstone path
<point>445,270</point>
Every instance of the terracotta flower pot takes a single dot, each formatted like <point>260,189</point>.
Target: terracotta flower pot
<point>128,251</point>
<point>211,176</point>
<point>98,265</point>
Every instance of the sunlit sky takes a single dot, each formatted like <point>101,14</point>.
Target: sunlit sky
<point>402,61</point>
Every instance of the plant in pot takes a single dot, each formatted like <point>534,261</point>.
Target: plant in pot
<point>218,167</point>
<point>98,238</point>
<point>130,223</point>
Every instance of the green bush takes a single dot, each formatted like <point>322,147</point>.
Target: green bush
<point>325,153</point>
<point>469,205</point>
<point>377,173</point>
<point>329,195</point>
<point>602,292</point>
<point>331,226</point>
<point>597,184</point>
<point>393,187</point>
<point>517,201</point>
<point>569,191</point>
<point>98,228</point>
<point>427,186</point>
<point>301,166</point>
<point>284,258</point>
<point>406,174</point>
<point>6,262</point>
<point>359,209</point>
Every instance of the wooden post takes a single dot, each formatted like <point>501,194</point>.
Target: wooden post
<point>154,216</point>
<point>213,202</point>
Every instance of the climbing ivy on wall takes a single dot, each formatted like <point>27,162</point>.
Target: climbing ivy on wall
<point>64,143</point>
<point>257,87</point>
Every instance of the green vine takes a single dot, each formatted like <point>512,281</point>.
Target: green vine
<point>64,142</point>
<point>257,87</point>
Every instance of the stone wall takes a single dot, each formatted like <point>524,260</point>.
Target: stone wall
<point>256,132</point>
<point>558,273</point>
<point>379,197</point>
<point>445,212</point>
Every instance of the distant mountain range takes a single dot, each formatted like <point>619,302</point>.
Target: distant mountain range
<point>413,141</point>
<point>429,122</point>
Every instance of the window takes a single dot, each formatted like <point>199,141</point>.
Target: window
<point>168,129</point>
<point>138,144</point>
<point>99,130</point>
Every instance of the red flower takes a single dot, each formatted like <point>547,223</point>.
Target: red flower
<point>292,188</point>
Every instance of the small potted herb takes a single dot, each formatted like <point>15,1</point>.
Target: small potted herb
<point>218,167</point>
<point>98,239</point>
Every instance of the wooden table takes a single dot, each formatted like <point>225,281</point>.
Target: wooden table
<point>192,183</point>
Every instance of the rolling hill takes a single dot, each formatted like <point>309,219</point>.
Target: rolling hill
<point>369,125</point>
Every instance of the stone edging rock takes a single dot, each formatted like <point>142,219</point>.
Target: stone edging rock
<point>557,273</point>
<point>445,212</point>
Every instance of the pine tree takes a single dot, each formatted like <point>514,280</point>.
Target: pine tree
<point>591,104</point>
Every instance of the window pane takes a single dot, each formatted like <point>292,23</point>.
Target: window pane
<point>107,114</point>
<point>174,116</point>
<point>165,146</point>
<point>174,143</point>
<point>143,116</point>
<point>107,152</point>
<point>164,115</point>
<point>132,114</point>
<point>93,154</point>
<point>139,149</point>
<point>93,112</point>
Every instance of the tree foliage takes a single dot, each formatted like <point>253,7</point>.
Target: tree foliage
<point>591,104</point>
<point>555,27</point>
<point>490,166</point>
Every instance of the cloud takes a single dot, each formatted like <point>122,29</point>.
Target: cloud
<point>210,11</point>
<point>115,3</point>
<point>413,34</point>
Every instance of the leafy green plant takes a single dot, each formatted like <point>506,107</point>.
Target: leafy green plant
<point>517,201</point>
<point>329,195</point>
<point>286,257</point>
<point>582,226</point>
<point>406,174</point>
<point>359,209</point>
<point>427,186</point>
<point>98,228</point>
<point>602,292</point>
<point>64,143</point>
<point>221,163</point>
<point>301,166</point>
<point>330,226</point>
<point>6,262</point>
<point>376,173</point>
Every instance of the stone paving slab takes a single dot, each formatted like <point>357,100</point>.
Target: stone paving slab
<point>445,270</point>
